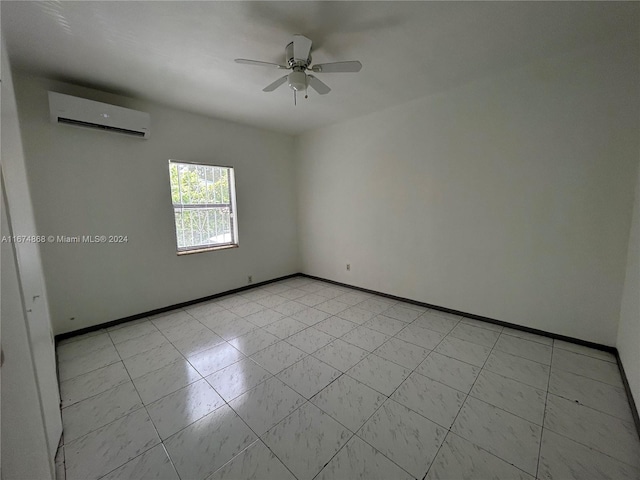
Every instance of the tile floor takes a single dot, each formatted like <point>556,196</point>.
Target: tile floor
<point>302,379</point>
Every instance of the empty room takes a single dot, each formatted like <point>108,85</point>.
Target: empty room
<point>317,240</point>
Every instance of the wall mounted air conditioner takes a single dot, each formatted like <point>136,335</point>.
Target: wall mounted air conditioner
<point>81,112</point>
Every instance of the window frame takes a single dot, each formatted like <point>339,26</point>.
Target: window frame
<point>232,205</point>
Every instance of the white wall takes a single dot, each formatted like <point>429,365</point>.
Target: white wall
<point>29,264</point>
<point>25,440</point>
<point>93,183</point>
<point>629,329</point>
<point>25,453</point>
<point>509,197</point>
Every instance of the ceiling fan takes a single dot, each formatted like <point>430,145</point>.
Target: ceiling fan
<point>298,59</point>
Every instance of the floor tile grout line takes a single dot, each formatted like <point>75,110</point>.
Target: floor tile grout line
<point>446,435</point>
<point>630,422</point>
<point>90,371</point>
<point>354,434</point>
<point>202,377</point>
<point>461,407</point>
<point>295,363</point>
<point>449,432</point>
<point>338,422</point>
<point>523,358</point>
<point>132,338</point>
<point>226,403</point>
<point>228,341</point>
<point>181,354</point>
<point>149,416</point>
<point>223,399</point>
<point>576,402</point>
<point>369,353</point>
<point>457,359</point>
<point>404,366</point>
<point>381,453</point>
<point>520,356</point>
<point>376,411</point>
<point>67,441</point>
<point>466,396</point>
<point>544,416</point>
<point>499,408</point>
<point>513,379</point>
<point>224,341</point>
<point>390,399</point>
<point>510,334</point>
<point>589,378</point>
<point>615,361</point>
<point>503,410</point>
<point>95,394</point>
<point>258,437</point>
<point>474,326</point>
<point>507,411</point>
<point>143,405</point>
<point>140,408</point>
<point>437,381</point>
<point>236,413</point>
<point>327,413</point>
<point>594,449</point>
<point>465,401</point>
<point>138,456</point>
<point>61,349</point>
<point>92,396</point>
<point>482,368</point>
<point>372,414</point>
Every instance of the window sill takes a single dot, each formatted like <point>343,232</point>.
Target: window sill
<point>207,249</point>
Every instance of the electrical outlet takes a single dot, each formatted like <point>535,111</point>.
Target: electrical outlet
<point>348,266</point>
<point>250,279</point>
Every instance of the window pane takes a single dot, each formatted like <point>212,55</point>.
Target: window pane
<point>203,205</point>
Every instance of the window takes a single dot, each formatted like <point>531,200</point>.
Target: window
<point>204,205</point>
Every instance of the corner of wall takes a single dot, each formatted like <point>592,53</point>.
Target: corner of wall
<point>628,341</point>
<point>297,153</point>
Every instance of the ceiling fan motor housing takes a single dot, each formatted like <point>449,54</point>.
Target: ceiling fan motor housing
<point>292,61</point>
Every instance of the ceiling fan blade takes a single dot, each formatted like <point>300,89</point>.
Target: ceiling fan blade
<point>260,64</point>
<point>318,86</point>
<point>337,67</point>
<point>274,85</point>
<point>301,47</point>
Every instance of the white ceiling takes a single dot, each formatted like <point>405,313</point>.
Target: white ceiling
<point>181,53</point>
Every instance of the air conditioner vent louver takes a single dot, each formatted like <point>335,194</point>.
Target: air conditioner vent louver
<point>80,112</point>
<point>80,123</point>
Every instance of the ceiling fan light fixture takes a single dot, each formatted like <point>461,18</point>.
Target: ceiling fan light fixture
<point>298,59</point>
<point>297,81</point>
